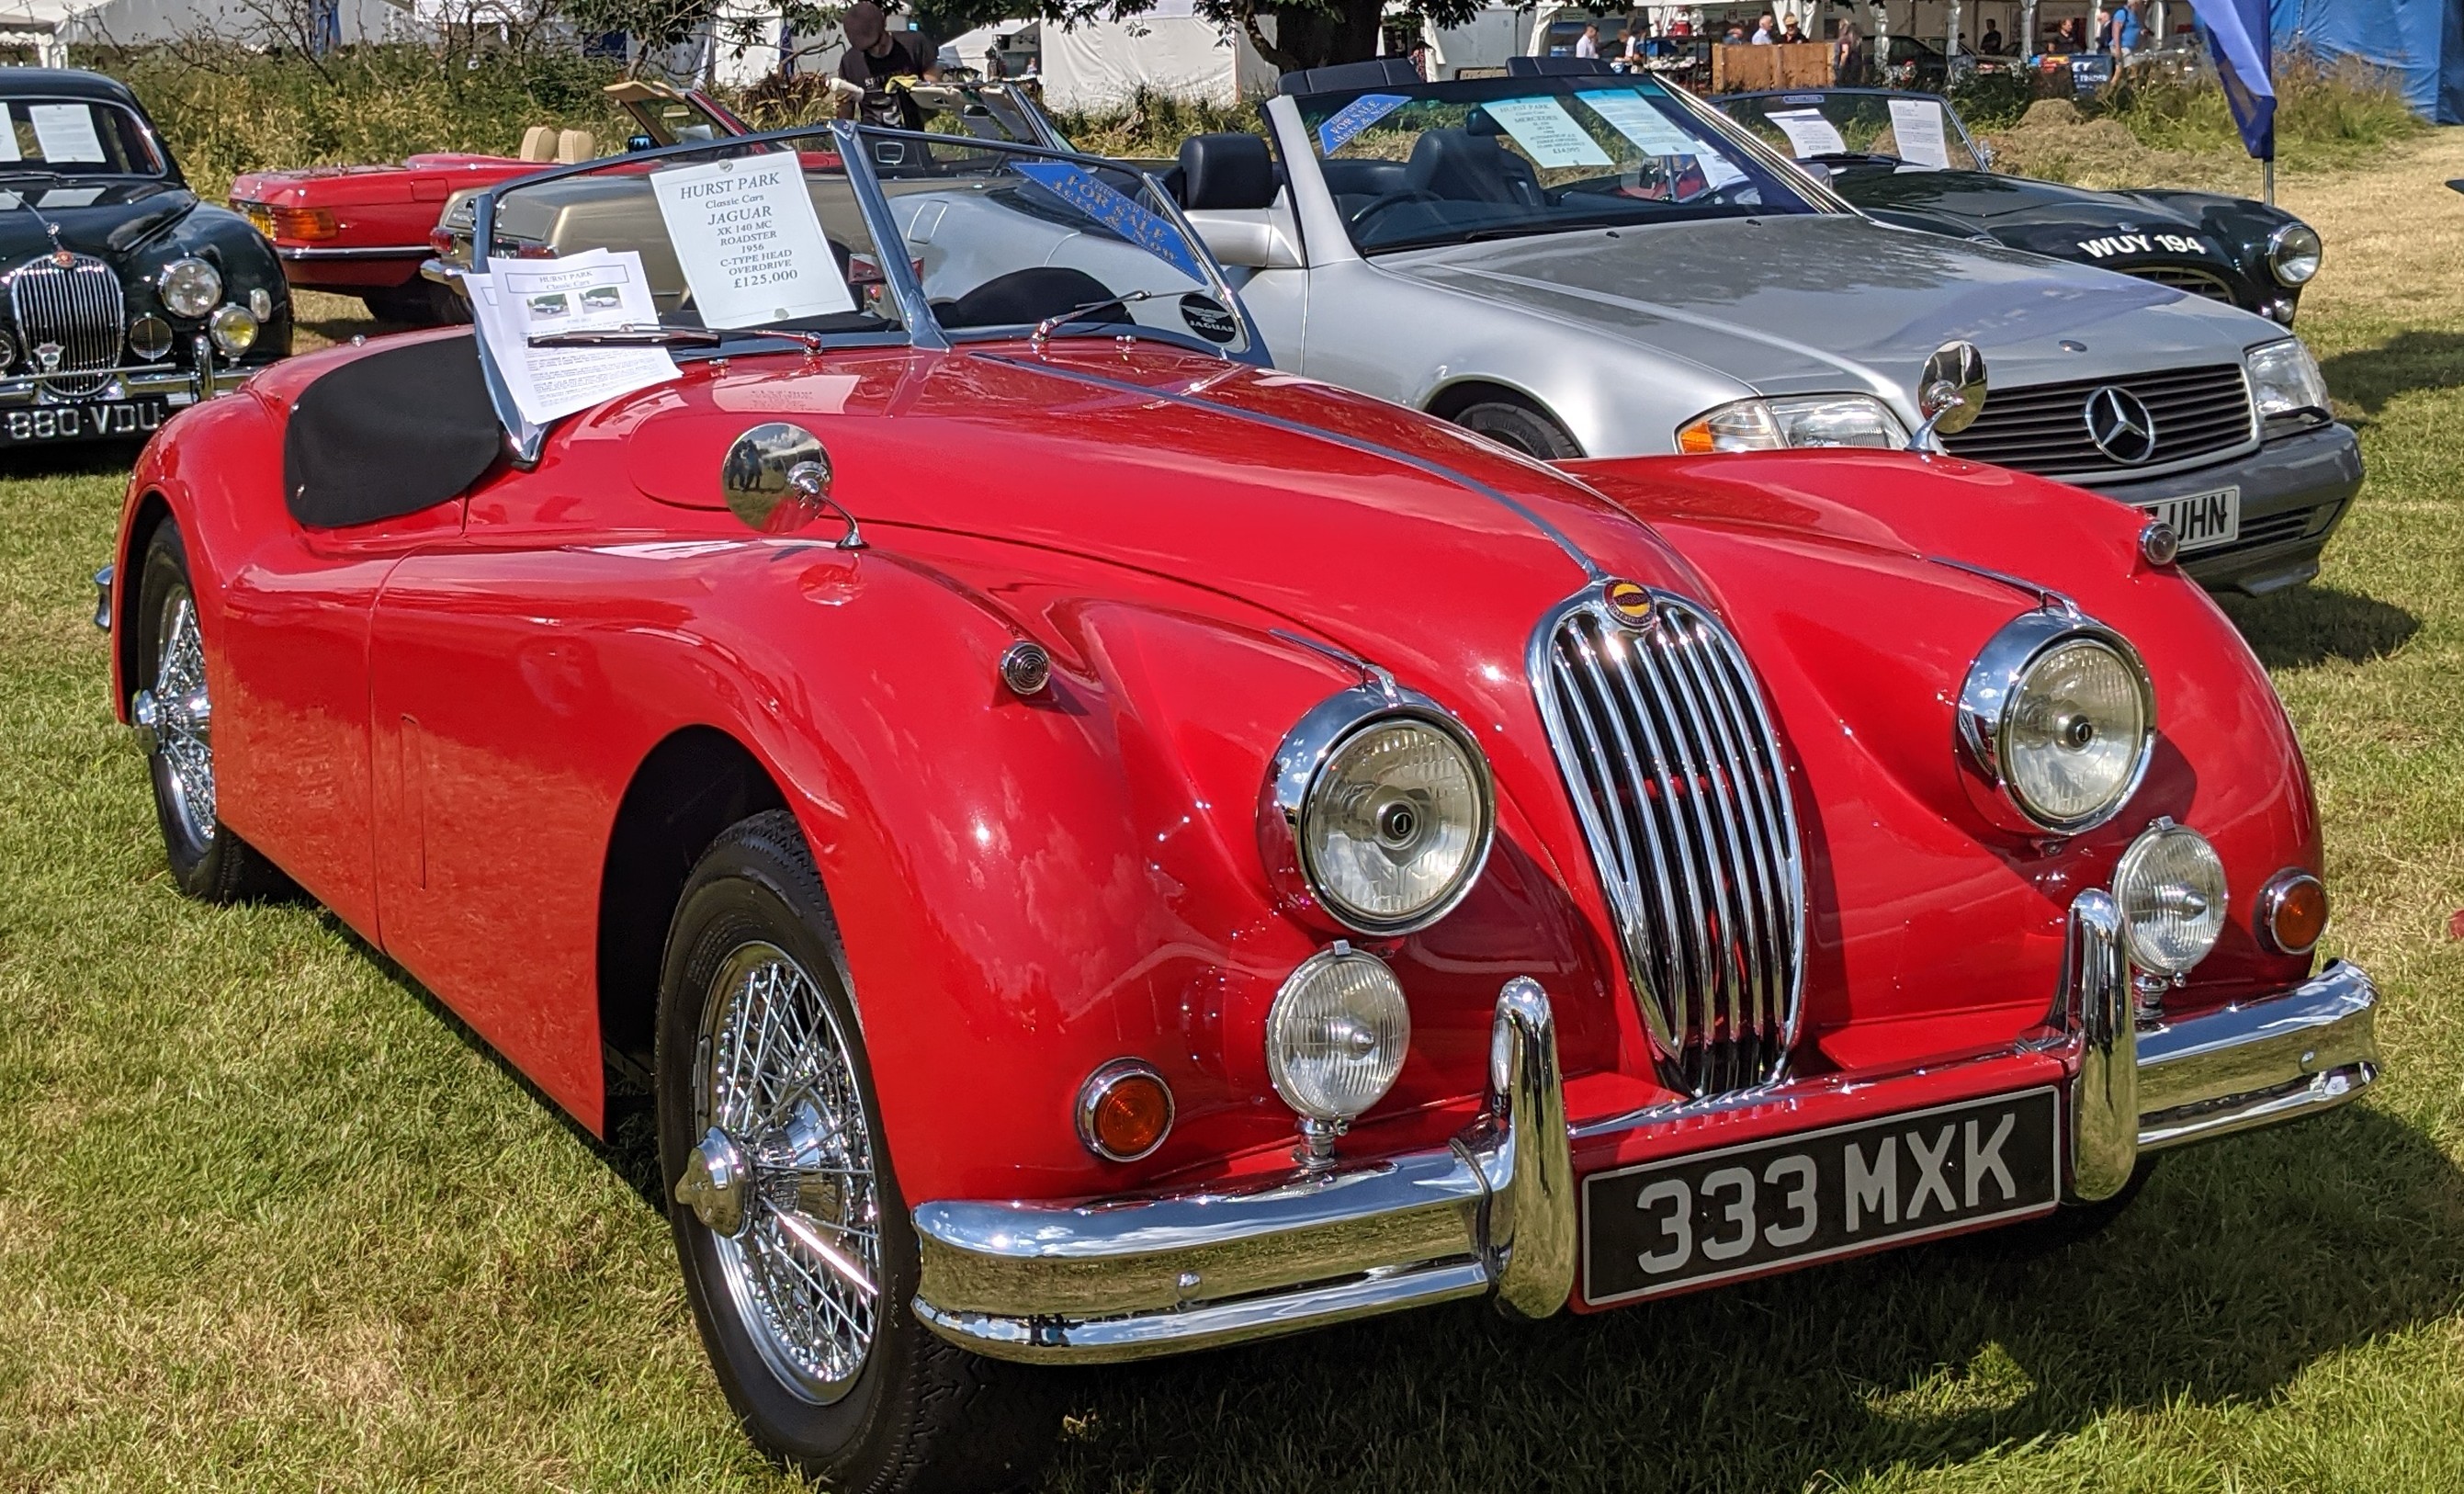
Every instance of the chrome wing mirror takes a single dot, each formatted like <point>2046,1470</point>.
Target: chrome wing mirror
<point>777,479</point>
<point>1950,394</point>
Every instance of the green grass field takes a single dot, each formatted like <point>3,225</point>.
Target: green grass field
<point>270,1219</point>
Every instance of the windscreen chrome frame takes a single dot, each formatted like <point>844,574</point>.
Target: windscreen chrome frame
<point>902,274</point>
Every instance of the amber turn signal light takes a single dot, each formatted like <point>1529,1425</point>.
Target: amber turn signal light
<point>1124,1111</point>
<point>304,222</point>
<point>2292,912</point>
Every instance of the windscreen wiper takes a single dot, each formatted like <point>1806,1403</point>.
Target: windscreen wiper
<point>1045,329</point>
<point>631,336</point>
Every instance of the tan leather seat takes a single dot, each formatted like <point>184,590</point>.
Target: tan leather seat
<point>539,142</point>
<point>574,146</point>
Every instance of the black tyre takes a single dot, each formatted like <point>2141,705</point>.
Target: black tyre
<point>798,1254</point>
<point>1521,426</point>
<point>173,711</point>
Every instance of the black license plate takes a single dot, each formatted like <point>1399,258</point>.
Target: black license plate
<point>1693,1219</point>
<point>100,420</point>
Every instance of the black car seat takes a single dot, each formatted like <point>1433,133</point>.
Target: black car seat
<point>1462,166</point>
<point>1226,171</point>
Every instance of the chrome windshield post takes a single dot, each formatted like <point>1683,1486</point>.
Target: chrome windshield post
<point>923,329</point>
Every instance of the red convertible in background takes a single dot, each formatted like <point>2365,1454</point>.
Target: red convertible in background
<point>363,231</point>
<point>1098,849</point>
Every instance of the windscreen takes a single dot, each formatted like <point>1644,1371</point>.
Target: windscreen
<point>75,137</point>
<point>1008,239</point>
<point>1497,158</point>
<point>1854,131</point>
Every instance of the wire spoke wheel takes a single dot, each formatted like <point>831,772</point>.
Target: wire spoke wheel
<point>177,715</point>
<point>783,1175</point>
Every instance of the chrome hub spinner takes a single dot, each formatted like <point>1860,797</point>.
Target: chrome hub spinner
<point>783,1175</point>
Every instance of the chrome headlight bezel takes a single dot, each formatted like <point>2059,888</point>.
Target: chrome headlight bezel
<point>1984,716</point>
<point>1297,771</point>
<point>189,288</point>
<point>2295,251</point>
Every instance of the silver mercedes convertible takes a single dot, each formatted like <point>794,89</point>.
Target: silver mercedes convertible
<point>1583,264</point>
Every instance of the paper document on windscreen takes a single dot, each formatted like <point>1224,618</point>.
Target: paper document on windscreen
<point>749,242</point>
<point>1546,133</point>
<point>1808,134</point>
<point>1639,121</point>
<point>1917,124</point>
<point>66,132</point>
<point>596,291</point>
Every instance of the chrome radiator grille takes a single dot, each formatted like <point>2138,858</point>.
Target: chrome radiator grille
<point>75,306</point>
<point>2042,427</point>
<point>1676,775</point>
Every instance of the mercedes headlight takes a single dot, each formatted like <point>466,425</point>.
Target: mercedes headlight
<point>2058,714</point>
<point>189,287</point>
<point>2170,886</point>
<point>1804,420</point>
<point>1336,1035</point>
<point>2284,380</point>
<point>1378,811</point>
<point>2293,253</point>
<point>233,329</point>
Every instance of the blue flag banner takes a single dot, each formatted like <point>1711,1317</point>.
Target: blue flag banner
<point>1149,231</point>
<point>2239,36</point>
<point>1355,117</point>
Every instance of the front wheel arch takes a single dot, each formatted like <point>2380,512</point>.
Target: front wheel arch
<point>1453,401</point>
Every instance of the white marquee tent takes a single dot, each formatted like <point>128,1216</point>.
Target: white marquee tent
<point>1170,50</point>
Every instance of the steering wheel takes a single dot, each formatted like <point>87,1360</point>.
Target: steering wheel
<point>1377,205</point>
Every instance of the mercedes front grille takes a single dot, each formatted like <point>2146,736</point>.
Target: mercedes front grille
<point>73,307</point>
<point>2043,428</point>
<point>1676,775</point>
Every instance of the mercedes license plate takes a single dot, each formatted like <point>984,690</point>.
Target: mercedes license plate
<point>102,419</point>
<point>1694,1219</point>
<point>2201,519</point>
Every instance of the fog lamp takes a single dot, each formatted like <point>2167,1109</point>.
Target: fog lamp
<point>2292,912</point>
<point>233,329</point>
<point>1125,1110</point>
<point>1335,1038</point>
<point>149,338</point>
<point>2171,887</point>
<point>189,287</point>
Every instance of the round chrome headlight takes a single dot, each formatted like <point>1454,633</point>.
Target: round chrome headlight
<point>189,287</point>
<point>2059,715</point>
<point>233,329</point>
<point>2171,887</point>
<point>2293,253</point>
<point>1336,1035</point>
<point>1378,812</point>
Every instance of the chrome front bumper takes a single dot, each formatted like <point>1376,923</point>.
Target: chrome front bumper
<point>169,383</point>
<point>1495,1211</point>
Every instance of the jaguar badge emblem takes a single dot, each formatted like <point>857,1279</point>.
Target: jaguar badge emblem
<point>2121,426</point>
<point>1630,603</point>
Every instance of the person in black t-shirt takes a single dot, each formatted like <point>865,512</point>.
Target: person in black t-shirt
<point>875,56</point>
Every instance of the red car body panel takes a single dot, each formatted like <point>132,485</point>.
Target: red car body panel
<point>432,723</point>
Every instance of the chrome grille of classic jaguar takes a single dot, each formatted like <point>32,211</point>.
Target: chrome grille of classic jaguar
<point>2043,428</point>
<point>2182,277</point>
<point>1676,775</point>
<point>75,306</point>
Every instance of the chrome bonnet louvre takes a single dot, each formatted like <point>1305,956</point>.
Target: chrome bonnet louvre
<point>75,307</point>
<point>1676,775</point>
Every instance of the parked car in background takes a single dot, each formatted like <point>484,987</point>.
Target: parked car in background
<point>128,299</point>
<point>364,229</point>
<point>1581,264</point>
<point>1907,158</point>
<point>988,761</point>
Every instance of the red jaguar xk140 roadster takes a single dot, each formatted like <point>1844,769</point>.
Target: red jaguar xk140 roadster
<point>1102,849</point>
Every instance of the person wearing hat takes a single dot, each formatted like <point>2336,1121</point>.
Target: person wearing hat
<point>875,56</point>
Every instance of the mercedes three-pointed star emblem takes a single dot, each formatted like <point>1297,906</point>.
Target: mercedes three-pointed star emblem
<point>2119,425</point>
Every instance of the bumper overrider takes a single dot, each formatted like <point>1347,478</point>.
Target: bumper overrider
<point>176,386</point>
<point>1496,1211</point>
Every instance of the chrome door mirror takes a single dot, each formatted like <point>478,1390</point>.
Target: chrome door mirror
<point>1950,393</point>
<point>777,479</point>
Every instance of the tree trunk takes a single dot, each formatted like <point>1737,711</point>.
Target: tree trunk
<point>1344,30</point>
